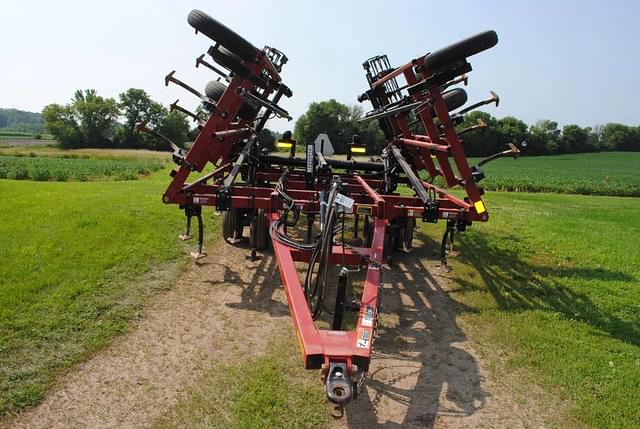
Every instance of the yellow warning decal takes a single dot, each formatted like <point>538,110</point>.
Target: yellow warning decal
<point>479,205</point>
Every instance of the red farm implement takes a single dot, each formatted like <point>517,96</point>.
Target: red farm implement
<point>304,205</point>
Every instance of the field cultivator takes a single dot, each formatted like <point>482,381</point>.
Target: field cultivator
<point>332,220</point>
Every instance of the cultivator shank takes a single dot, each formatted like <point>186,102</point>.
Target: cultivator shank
<point>338,217</point>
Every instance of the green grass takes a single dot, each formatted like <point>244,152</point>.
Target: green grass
<point>554,280</point>
<point>269,391</point>
<point>76,261</point>
<point>606,173</point>
<point>65,169</point>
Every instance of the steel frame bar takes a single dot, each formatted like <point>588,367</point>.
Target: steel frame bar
<point>321,347</point>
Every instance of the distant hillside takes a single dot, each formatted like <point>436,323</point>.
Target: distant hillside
<point>20,120</point>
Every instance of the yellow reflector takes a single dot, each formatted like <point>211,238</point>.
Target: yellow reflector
<point>284,145</point>
<point>479,205</point>
<point>358,149</point>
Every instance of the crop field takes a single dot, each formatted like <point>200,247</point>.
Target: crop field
<point>52,151</point>
<point>15,134</point>
<point>606,173</point>
<point>552,280</point>
<point>65,169</point>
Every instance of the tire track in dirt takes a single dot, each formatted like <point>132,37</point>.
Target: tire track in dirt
<point>222,307</point>
<point>424,373</point>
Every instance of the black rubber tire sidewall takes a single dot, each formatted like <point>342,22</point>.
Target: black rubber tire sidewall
<point>214,91</point>
<point>231,226</point>
<point>453,98</point>
<point>259,232</point>
<point>229,61</point>
<point>222,34</point>
<point>460,50</point>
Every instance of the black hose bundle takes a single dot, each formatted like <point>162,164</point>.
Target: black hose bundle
<point>289,206</point>
<point>314,286</point>
<point>321,248</point>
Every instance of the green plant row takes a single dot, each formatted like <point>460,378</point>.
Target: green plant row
<point>66,169</point>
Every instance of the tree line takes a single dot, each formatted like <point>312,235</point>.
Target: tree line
<point>544,137</point>
<point>21,121</point>
<point>90,120</point>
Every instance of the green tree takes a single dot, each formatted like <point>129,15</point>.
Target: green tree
<point>481,141</point>
<point>89,121</point>
<point>96,117</point>
<point>543,138</point>
<point>135,107</point>
<point>575,139</point>
<point>339,122</point>
<point>620,137</point>
<point>60,121</point>
<point>175,127</point>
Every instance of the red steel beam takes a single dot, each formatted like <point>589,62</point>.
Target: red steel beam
<point>324,346</point>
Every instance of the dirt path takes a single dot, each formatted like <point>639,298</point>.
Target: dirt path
<point>221,307</point>
<point>424,372</point>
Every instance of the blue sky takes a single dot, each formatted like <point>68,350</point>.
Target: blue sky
<point>570,61</point>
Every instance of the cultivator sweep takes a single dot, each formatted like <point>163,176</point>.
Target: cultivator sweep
<point>329,218</point>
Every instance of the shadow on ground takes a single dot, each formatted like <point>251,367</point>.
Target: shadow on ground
<point>517,284</point>
<point>258,292</point>
<point>422,367</point>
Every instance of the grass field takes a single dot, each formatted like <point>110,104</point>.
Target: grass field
<point>606,173</point>
<point>553,280</point>
<point>79,260</point>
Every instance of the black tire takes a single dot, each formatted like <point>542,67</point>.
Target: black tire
<point>390,241</point>
<point>231,225</point>
<point>214,91</point>
<point>458,51</point>
<point>259,231</point>
<point>453,98</point>
<point>407,233</point>
<point>220,33</point>
<point>228,60</point>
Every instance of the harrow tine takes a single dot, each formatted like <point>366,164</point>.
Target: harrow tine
<point>464,79</point>
<point>493,99</point>
<point>480,124</point>
<point>142,127</point>
<point>200,61</point>
<point>174,106</point>
<point>171,79</point>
